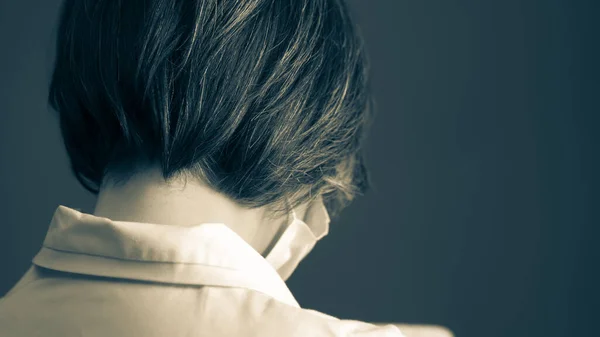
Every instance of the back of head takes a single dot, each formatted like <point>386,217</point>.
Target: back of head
<point>264,100</point>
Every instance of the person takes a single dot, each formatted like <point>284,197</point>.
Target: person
<point>219,137</point>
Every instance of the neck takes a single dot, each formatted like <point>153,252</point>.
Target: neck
<point>147,197</point>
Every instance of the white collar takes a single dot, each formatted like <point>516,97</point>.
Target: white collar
<point>203,254</point>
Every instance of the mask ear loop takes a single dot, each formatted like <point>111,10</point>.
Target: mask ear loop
<point>294,216</point>
<point>282,229</point>
<point>292,211</point>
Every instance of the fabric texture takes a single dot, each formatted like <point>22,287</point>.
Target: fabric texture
<point>98,277</point>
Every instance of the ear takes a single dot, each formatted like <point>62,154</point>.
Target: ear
<point>317,218</point>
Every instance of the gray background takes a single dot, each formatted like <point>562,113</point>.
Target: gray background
<point>482,217</point>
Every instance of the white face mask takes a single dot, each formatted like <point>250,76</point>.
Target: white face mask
<point>299,238</point>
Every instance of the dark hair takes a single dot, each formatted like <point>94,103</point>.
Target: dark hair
<point>264,100</point>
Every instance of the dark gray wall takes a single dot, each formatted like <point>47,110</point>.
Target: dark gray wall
<point>482,157</point>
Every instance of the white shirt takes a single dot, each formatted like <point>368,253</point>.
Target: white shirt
<point>98,277</point>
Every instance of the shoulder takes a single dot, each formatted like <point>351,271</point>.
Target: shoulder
<point>280,319</point>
